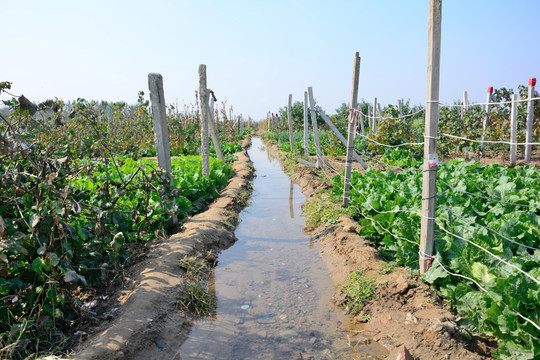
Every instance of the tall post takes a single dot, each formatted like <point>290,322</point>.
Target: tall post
<point>370,119</point>
<point>429,184</point>
<point>513,131</point>
<point>289,117</point>
<point>306,135</point>
<point>362,131</point>
<point>315,128</point>
<point>159,120</point>
<point>352,129</point>
<point>374,123</point>
<point>203,95</point>
<point>486,120</point>
<point>530,119</point>
<point>400,109</point>
<point>212,127</point>
<point>464,109</point>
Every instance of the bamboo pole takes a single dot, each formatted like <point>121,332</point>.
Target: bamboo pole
<point>513,131</point>
<point>289,117</point>
<point>429,184</point>
<point>352,129</point>
<point>306,135</point>
<point>530,119</point>
<point>203,96</point>
<point>319,162</point>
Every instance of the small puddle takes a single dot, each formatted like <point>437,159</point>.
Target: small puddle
<point>274,291</point>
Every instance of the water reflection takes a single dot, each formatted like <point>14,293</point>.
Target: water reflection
<point>291,208</point>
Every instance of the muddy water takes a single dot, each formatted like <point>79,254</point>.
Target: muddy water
<point>273,290</point>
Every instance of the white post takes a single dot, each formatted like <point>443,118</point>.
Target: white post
<point>530,119</point>
<point>400,109</point>
<point>352,130</point>
<point>429,184</point>
<point>203,95</point>
<point>291,135</point>
<point>159,120</point>
<point>306,135</point>
<point>513,130</point>
<point>486,119</point>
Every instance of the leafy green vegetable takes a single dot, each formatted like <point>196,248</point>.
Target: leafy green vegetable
<point>495,207</point>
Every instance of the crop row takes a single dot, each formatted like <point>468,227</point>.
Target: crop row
<point>79,202</point>
<point>487,240</point>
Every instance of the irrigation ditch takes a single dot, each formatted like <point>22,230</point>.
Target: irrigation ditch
<point>272,307</point>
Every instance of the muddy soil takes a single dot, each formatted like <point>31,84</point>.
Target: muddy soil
<point>137,320</point>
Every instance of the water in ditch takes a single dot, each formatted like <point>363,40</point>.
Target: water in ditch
<point>274,292</point>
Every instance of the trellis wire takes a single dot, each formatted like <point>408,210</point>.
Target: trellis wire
<point>488,141</point>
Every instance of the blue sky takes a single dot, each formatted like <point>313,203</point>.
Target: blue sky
<point>258,52</point>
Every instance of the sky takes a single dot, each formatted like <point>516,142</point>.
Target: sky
<point>259,52</point>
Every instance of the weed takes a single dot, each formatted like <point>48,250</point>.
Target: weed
<point>197,300</point>
<point>232,219</point>
<point>195,267</point>
<point>387,267</point>
<point>244,195</point>
<point>323,210</point>
<point>358,291</point>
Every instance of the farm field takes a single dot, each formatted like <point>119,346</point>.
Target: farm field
<point>81,202</point>
<point>86,212</point>
<point>486,234</point>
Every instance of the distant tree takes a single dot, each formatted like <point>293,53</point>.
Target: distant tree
<point>297,114</point>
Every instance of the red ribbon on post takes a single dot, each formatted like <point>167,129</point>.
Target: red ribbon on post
<point>532,82</point>
<point>490,90</point>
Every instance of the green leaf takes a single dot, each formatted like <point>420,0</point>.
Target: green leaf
<point>117,242</point>
<point>480,272</point>
<point>435,272</point>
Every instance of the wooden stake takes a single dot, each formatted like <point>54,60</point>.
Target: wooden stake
<point>291,135</point>
<point>362,131</point>
<point>319,162</point>
<point>464,108</point>
<point>352,129</point>
<point>213,131</point>
<point>370,119</point>
<point>339,136</point>
<point>374,128</point>
<point>429,184</point>
<point>486,120</point>
<point>306,135</point>
<point>161,131</point>
<point>513,131</point>
<point>530,119</point>
<point>203,96</point>
<point>159,120</point>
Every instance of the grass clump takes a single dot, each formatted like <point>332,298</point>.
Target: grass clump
<point>194,266</point>
<point>323,209</point>
<point>358,290</point>
<point>196,299</point>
